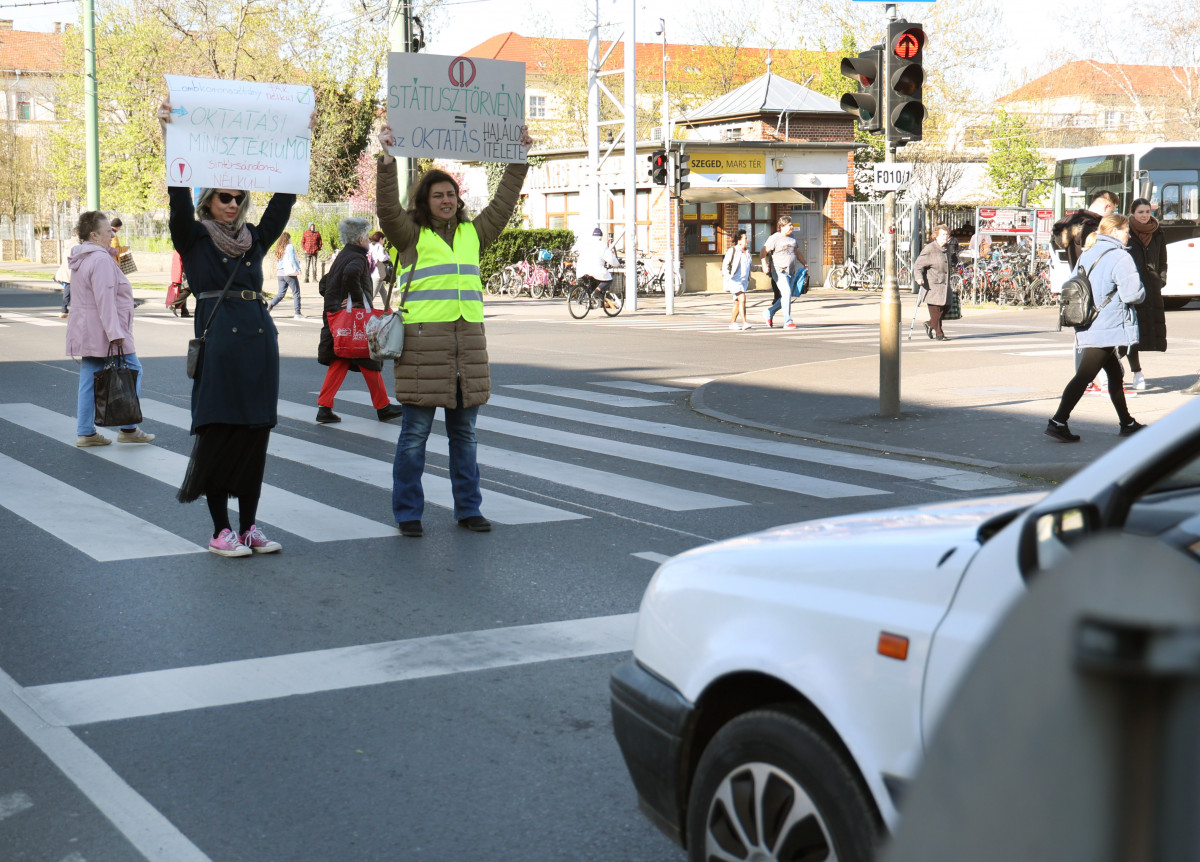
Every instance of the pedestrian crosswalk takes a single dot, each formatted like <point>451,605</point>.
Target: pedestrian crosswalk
<point>529,443</point>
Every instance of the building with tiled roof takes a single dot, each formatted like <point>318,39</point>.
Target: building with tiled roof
<point>556,78</point>
<point>1087,102</point>
<point>30,64</point>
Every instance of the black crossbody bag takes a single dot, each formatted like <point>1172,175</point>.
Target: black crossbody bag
<point>195,349</point>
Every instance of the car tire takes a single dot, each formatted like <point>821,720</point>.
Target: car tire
<point>769,767</point>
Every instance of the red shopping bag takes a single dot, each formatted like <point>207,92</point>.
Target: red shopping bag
<point>172,294</point>
<point>349,329</point>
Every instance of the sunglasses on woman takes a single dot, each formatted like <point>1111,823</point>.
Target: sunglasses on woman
<point>226,197</point>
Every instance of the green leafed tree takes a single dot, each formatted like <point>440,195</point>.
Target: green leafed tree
<point>282,41</point>
<point>1014,163</point>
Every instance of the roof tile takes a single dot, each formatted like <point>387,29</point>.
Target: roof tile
<point>31,52</point>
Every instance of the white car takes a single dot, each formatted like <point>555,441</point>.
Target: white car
<point>784,684</point>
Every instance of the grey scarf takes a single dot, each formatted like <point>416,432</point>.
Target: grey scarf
<point>230,242</point>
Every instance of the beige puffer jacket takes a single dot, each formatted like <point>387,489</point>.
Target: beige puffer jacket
<point>441,358</point>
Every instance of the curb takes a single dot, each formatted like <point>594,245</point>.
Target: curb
<point>1050,472</point>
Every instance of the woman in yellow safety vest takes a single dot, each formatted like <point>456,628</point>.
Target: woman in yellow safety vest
<point>445,361</point>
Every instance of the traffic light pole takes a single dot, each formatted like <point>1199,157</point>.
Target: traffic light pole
<point>889,307</point>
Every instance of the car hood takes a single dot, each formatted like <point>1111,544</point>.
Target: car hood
<point>939,524</point>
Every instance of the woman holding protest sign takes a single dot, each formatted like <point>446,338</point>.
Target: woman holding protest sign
<point>235,388</point>
<point>445,362</point>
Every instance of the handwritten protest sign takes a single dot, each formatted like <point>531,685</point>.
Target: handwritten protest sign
<point>459,108</point>
<point>238,135</point>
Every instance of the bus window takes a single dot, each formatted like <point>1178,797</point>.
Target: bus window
<point>1077,180</point>
<point>1170,203</point>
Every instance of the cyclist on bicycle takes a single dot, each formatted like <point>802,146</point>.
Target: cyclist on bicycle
<point>594,256</point>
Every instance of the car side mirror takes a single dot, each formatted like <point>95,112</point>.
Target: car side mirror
<point>1048,536</point>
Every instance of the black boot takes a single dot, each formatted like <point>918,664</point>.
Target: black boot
<point>392,411</point>
<point>326,416</point>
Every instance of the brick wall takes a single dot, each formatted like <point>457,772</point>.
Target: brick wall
<point>798,128</point>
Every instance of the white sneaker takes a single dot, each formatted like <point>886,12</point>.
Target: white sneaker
<point>1139,382</point>
<point>297,317</point>
<point>93,439</point>
<point>745,326</point>
<point>137,435</point>
<point>734,327</point>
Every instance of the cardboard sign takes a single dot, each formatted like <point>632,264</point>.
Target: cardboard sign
<point>460,108</point>
<point>238,135</point>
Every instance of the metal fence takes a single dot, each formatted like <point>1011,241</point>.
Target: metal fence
<point>865,233</point>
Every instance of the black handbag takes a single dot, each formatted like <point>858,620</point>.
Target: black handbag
<point>115,387</point>
<point>195,351</point>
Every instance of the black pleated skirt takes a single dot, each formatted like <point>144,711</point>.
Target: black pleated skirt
<point>226,459</point>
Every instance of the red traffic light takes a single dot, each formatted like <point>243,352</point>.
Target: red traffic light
<point>658,160</point>
<point>909,43</point>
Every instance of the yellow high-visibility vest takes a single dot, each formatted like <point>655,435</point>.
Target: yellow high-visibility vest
<point>446,284</point>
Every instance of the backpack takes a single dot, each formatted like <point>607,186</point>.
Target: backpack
<point>1076,307</point>
<point>386,270</point>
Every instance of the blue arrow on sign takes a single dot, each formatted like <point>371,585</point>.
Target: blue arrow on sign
<point>180,111</point>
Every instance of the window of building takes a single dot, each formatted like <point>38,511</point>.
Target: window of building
<point>700,228</point>
<point>641,217</point>
<point>24,107</point>
<point>562,211</point>
<point>537,107</point>
<point>755,220</point>
<point>1114,119</point>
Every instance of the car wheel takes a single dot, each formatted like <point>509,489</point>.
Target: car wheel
<point>768,787</point>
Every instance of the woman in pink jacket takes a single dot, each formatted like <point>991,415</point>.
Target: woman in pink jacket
<point>101,319</point>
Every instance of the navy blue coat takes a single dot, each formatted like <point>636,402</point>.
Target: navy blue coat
<point>238,379</point>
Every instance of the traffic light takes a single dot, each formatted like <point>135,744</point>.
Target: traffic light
<point>866,104</point>
<point>906,113</point>
<point>658,168</point>
<point>682,169</point>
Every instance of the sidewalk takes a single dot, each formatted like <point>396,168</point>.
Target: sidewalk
<point>983,409</point>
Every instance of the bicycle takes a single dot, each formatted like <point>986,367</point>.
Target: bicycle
<point>588,293</point>
<point>853,275</point>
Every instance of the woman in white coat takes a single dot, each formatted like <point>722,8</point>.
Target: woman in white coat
<point>735,274</point>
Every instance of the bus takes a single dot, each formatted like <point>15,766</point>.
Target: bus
<point>1166,174</point>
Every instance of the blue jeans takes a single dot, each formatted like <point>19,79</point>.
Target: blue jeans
<point>66,303</point>
<point>85,408</point>
<point>784,301</point>
<point>286,281</point>
<point>408,497</point>
<point>795,287</point>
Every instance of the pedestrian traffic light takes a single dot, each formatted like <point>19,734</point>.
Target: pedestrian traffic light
<point>682,169</point>
<point>906,76</point>
<point>658,167</point>
<point>865,104</point>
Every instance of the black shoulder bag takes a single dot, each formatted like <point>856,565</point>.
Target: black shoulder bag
<point>196,346</point>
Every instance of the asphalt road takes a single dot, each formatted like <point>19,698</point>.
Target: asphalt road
<point>361,695</point>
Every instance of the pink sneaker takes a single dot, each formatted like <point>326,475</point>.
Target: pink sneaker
<point>258,543</point>
<point>789,326</point>
<point>227,544</point>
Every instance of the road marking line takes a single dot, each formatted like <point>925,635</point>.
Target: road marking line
<point>14,803</point>
<point>652,556</point>
<point>311,519</point>
<point>90,525</point>
<point>570,475</point>
<point>36,321</point>
<point>716,467</point>
<point>635,386</point>
<point>1070,351</point>
<point>795,451</point>
<point>501,508</point>
<point>605,398</point>
<point>162,321</point>
<point>249,680</point>
<point>143,826</point>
